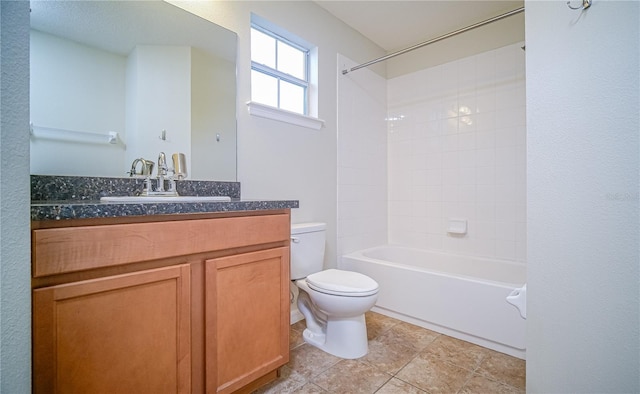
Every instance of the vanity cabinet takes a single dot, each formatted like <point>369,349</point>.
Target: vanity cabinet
<point>124,333</point>
<point>246,292</point>
<point>186,304</point>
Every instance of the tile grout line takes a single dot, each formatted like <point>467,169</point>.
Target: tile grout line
<point>395,375</point>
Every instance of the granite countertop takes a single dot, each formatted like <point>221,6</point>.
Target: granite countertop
<point>64,197</point>
<point>89,209</point>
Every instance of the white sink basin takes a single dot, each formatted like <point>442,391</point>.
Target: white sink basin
<point>154,199</point>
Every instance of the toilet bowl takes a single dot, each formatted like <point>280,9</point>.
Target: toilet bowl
<point>332,301</point>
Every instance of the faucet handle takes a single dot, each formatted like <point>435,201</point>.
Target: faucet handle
<point>179,165</point>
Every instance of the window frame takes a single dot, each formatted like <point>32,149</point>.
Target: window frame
<point>282,76</point>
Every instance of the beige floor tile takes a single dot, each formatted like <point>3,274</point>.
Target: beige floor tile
<point>299,325</point>
<point>504,368</point>
<point>295,338</point>
<point>463,354</point>
<point>388,355</point>
<point>310,388</point>
<point>397,386</point>
<point>310,361</point>
<point>378,323</point>
<point>432,374</point>
<point>288,382</point>
<point>481,385</point>
<point>351,376</point>
<point>421,360</point>
<point>408,334</point>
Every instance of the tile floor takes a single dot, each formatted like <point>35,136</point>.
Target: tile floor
<point>402,358</point>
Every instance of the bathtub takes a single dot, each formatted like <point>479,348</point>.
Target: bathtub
<point>460,296</point>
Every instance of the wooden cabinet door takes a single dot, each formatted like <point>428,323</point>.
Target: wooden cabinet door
<point>247,315</point>
<point>120,334</point>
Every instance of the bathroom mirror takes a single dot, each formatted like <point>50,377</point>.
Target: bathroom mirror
<point>114,81</point>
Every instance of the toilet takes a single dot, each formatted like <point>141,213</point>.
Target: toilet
<point>332,301</point>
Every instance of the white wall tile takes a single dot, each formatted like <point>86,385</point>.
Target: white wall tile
<point>460,152</point>
<point>485,211</point>
<point>450,159</point>
<point>467,141</point>
<point>485,139</point>
<point>363,141</point>
<point>506,250</point>
<point>486,193</point>
<point>432,241</point>
<point>506,231</point>
<point>485,157</point>
<point>484,229</point>
<point>434,208</point>
<point>476,169</point>
<point>485,120</point>
<point>467,193</point>
<point>469,158</point>
<point>485,68</point>
<point>467,175</point>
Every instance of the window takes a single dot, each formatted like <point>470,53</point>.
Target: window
<point>279,71</point>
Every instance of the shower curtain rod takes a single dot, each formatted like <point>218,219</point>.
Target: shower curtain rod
<point>422,44</point>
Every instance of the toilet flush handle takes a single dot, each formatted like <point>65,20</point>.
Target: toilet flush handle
<point>295,240</point>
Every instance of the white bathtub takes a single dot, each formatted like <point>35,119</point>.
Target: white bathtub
<point>460,296</point>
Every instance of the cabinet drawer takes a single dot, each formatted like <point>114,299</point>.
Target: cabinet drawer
<point>70,249</point>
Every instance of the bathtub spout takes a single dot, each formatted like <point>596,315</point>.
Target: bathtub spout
<point>518,298</point>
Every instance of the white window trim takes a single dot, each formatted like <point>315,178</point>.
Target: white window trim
<point>281,76</point>
<point>281,115</point>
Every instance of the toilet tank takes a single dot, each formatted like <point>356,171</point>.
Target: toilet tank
<point>307,249</point>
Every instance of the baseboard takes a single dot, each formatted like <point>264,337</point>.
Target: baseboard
<point>296,316</point>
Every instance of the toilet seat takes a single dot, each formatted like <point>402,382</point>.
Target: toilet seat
<point>342,283</point>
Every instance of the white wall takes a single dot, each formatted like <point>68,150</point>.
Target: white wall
<point>79,88</point>
<point>277,160</point>
<point>15,264</point>
<point>457,150</point>
<point>583,259</point>
<point>362,159</point>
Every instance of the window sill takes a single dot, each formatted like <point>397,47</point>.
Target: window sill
<point>269,112</point>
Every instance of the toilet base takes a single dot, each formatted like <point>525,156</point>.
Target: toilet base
<point>342,337</point>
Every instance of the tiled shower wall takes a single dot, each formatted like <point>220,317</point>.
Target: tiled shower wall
<point>456,150</point>
<point>362,159</point>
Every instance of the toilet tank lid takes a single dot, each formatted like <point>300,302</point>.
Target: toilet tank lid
<point>301,228</point>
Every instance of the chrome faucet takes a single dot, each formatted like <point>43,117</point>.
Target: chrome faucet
<point>163,174</point>
<point>145,170</point>
<point>162,171</point>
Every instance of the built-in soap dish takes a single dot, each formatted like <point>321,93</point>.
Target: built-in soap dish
<point>457,227</point>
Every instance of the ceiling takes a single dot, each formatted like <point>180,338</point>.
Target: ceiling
<point>394,25</point>
<point>118,26</point>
